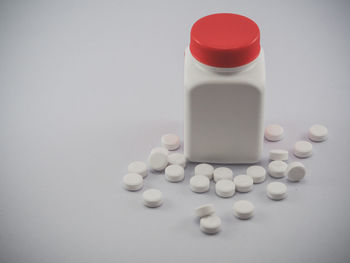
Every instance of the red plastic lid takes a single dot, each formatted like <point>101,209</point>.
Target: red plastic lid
<point>225,40</point>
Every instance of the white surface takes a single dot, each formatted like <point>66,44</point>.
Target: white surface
<point>170,141</point>
<point>199,184</point>
<point>278,155</point>
<point>243,183</point>
<point>225,188</point>
<point>318,133</point>
<point>222,173</point>
<point>243,209</point>
<point>216,99</point>
<point>177,158</point>
<point>205,210</point>
<point>257,173</point>
<point>303,149</point>
<point>276,191</point>
<point>274,132</point>
<point>204,169</point>
<point>174,173</point>
<point>75,109</point>
<point>210,224</point>
<point>138,168</point>
<point>295,171</point>
<point>132,182</point>
<point>277,169</point>
<point>152,198</point>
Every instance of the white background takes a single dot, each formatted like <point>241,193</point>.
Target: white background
<point>87,87</point>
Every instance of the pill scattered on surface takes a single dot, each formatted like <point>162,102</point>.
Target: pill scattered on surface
<point>295,171</point>
<point>210,224</point>
<point>199,184</point>
<point>177,158</point>
<point>226,185</point>
<point>132,182</point>
<point>278,155</point>
<point>222,173</point>
<point>161,150</point>
<point>274,132</point>
<point>276,191</point>
<point>152,198</point>
<point>277,169</point>
<point>318,133</point>
<point>243,209</point>
<point>204,169</point>
<point>243,183</point>
<point>257,173</point>
<point>174,173</point>
<point>205,210</point>
<point>138,168</point>
<point>158,161</point>
<point>225,188</point>
<point>302,149</point>
<point>170,141</point>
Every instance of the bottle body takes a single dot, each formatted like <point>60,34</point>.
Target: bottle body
<point>224,109</point>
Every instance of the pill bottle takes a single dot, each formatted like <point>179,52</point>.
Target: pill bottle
<point>224,82</point>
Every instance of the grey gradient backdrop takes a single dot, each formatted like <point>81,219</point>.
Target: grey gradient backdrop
<point>87,87</point>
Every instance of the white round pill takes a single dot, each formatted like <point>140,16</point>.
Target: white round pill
<point>257,173</point>
<point>132,182</point>
<point>225,188</point>
<point>138,168</point>
<point>204,169</point>
<point>158,161</point>
<point>318,133</point>
<point>205,210</point>
<point>174,173</point>
<point>222,173</point>
<point>274,132</point>
<point>160,150</point>
<point>177,158</point>
<point>152,198</point>
<point>199,184</point>
<point>170,141</point>
<point>302,149</point>
<point>295,171</point>
<point>210,224</point>
<point>276,191</point>
<point>243,209</point>
<point>243,183</point>
<point>278,155</point>
<point>277,169</point>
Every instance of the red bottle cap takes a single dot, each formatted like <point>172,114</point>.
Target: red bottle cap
<point>225,40</point>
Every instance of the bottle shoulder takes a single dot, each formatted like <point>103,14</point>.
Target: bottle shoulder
<point>197,74</point>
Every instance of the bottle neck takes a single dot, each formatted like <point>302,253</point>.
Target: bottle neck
<point>225,70</point>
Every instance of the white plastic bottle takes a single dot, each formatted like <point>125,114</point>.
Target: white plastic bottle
<point>224,91</point>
